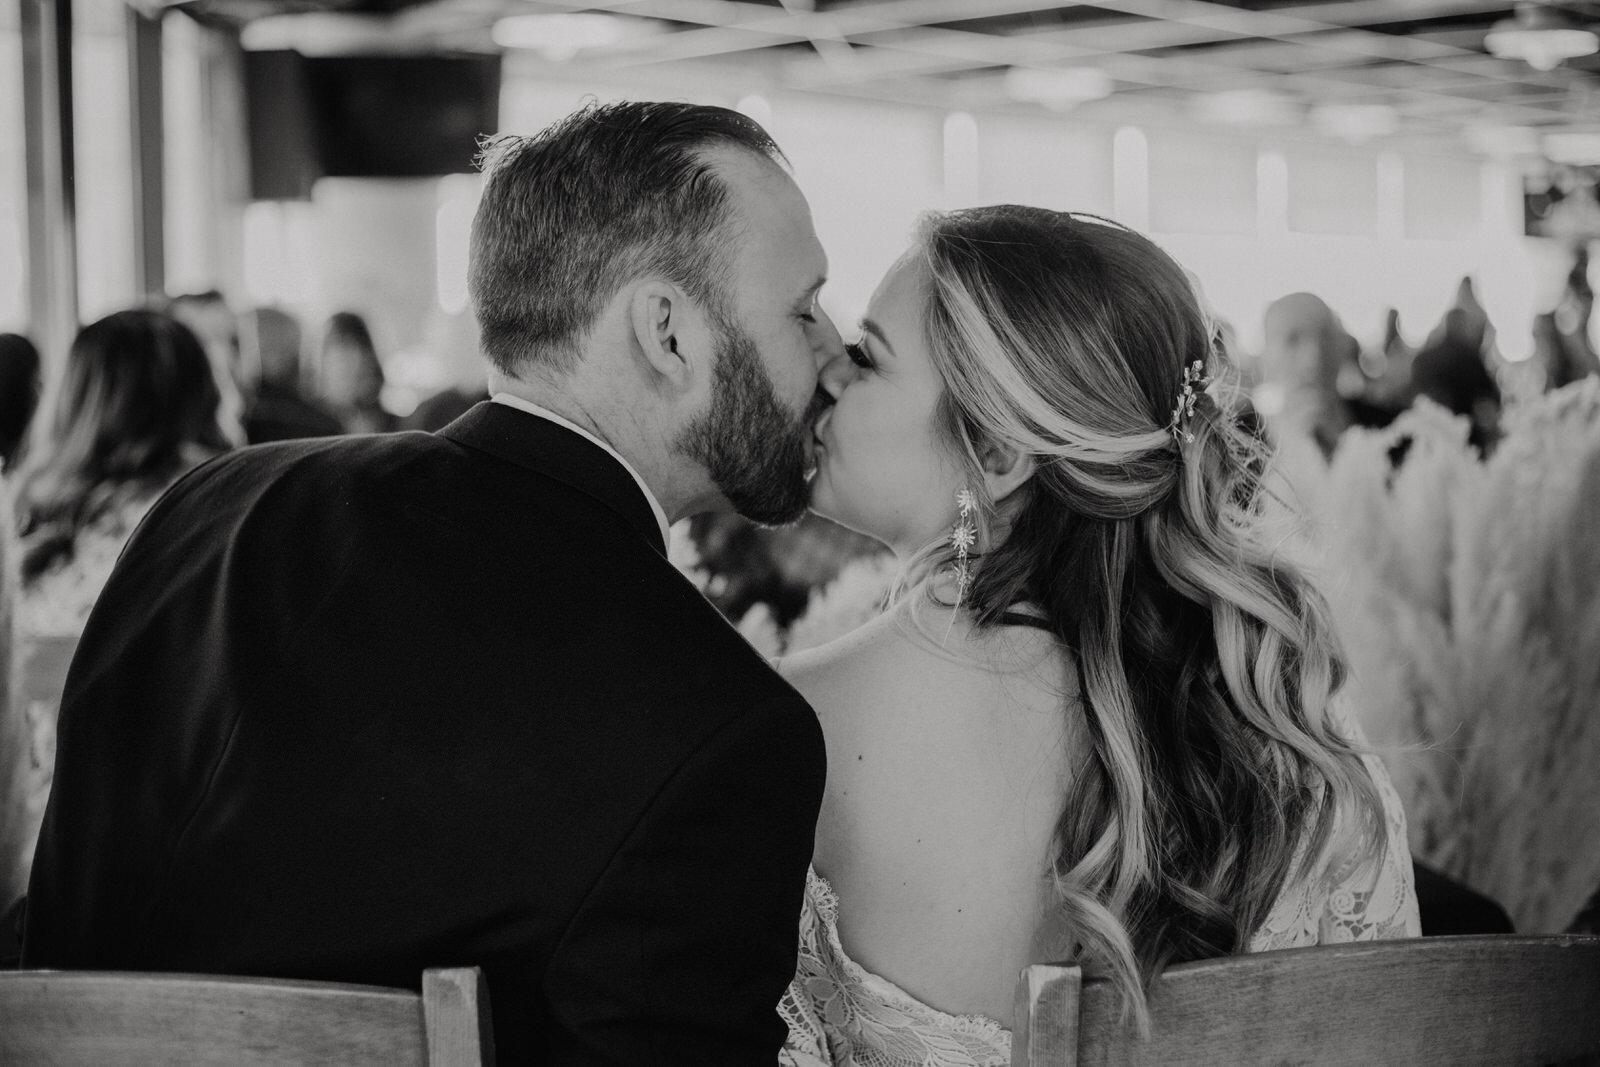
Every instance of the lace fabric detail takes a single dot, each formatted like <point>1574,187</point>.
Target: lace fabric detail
<point>841,1015</point>
<point>1358,899</point>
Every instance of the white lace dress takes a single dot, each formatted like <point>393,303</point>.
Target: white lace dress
<point>841,1015</point>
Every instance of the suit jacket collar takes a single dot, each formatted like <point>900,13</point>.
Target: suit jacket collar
<point>540,445</point>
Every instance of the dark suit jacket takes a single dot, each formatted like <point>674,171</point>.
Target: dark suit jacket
<point>351,708</point>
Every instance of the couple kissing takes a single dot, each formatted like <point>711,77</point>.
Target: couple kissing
<point>352,708</point>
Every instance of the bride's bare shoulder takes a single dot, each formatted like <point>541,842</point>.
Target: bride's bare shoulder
<point>928,662</point>
<point>848,668</point>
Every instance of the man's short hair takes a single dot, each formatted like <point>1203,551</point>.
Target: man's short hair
<point>608,194</point>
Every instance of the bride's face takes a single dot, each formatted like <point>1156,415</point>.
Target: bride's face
<point>883,467</point>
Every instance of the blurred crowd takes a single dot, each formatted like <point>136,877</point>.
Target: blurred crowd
<point>1313,380</point>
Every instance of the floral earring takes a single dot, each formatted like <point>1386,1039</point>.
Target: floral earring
<point>963,537</point>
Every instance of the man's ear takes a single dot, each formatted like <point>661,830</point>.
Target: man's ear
<point>1005,470</point>
<point>659,315</point>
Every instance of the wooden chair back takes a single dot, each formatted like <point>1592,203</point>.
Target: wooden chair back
<point>69,1018</point>
<point>1497,999</point>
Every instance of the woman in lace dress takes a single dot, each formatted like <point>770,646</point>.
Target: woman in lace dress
<point>1095,724</point>
<point>137,407</point>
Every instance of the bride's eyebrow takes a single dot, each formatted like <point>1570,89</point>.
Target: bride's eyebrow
<point>868,326</point>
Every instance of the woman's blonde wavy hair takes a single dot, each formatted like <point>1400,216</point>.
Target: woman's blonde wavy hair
<point>1205,662</point>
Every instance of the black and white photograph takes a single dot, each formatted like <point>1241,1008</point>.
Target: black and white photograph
<point>815,533</point>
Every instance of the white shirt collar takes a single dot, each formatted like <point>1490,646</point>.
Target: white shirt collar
<point>545,413</point>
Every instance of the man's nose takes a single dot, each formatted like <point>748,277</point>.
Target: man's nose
<point>832,362</point>
<point>829,345</point>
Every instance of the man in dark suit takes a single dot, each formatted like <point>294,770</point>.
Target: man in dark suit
<point>352,708</point>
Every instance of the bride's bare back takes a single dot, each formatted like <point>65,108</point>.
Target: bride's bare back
<point>948,756</point>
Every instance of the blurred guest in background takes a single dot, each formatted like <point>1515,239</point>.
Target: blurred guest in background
<point>137,408</point>
<point>278,408</point>
<point>1450,367</point>
<point>211,321</point>
<point>1561,335</point>
<point>350,376</point>
<point>1387,367</point>
<point>1311,382</point>
<point>19,393</point>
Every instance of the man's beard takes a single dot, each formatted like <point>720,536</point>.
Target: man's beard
<point>751,444</point>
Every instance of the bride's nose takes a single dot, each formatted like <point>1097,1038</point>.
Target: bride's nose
<point>836,373</point>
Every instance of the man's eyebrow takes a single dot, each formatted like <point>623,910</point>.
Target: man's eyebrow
<point>868,326</point>
<point>811,289</point>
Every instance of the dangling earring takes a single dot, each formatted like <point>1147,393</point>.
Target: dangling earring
<point>963,537</point>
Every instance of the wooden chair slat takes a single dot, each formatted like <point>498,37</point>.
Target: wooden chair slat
<point>84,1017</point>
<point>455,1010</point>
<point>1501,1000</point>
<point>1049,1036</point>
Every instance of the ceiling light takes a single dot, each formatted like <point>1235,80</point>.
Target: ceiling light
<point>1356,123</point>
<point>559,36</point>
<point>317,33</point>
<point>1246,107</point>
<point>1541,37</point>
<point>1058,88</point>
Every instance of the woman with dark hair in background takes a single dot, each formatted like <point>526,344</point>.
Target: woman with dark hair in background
<point>1096,723</point>
<point>19,393</point>
<point>137,408</point>
<point>350,376</point>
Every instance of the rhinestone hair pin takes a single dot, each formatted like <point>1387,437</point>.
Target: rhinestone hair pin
<point>1195,379</point>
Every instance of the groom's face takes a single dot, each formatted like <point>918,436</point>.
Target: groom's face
<point>756,448</point>
<point>755,438</point>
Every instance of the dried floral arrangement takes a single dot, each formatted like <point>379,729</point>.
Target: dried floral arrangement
<point>1467,594</point>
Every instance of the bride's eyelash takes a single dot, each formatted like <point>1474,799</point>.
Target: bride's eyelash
<point>858,355</point>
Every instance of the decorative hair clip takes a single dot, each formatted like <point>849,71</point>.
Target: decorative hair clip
<point>1194,380</point>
